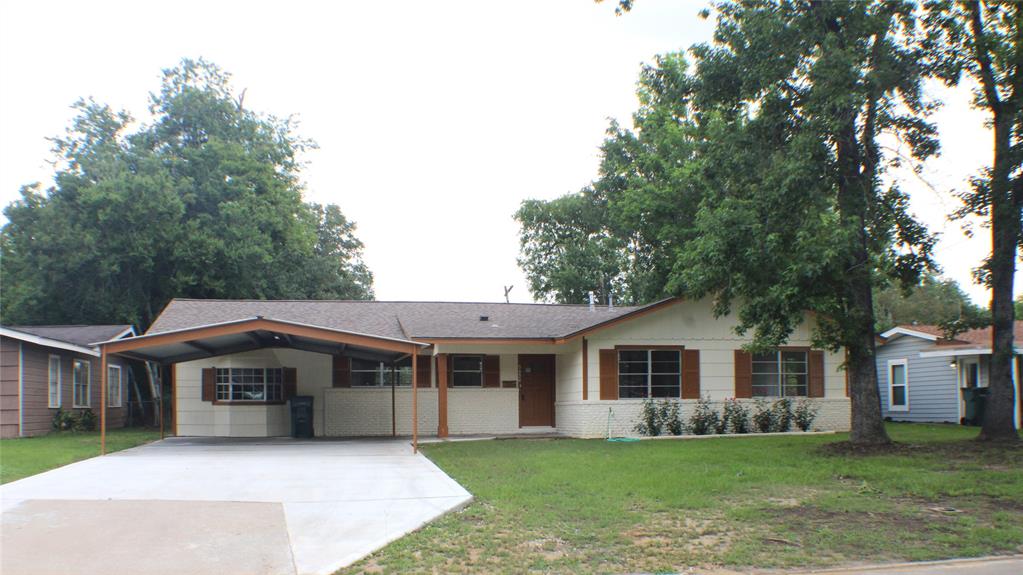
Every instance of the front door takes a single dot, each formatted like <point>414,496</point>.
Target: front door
<point>536,390</point>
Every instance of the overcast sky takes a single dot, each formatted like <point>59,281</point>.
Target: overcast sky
<point>434,119</point>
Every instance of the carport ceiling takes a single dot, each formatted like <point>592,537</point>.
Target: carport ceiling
<point>203,347</point>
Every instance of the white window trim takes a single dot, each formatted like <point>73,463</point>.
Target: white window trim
<point>649,373</point>
<point>905,383</point>
<point>49,379</point>
<point>120,386</point>
<point>88,384</point>
<point>231,384</point>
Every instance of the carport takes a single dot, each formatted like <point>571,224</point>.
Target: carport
<point>169,348</point>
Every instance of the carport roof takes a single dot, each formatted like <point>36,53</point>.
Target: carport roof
<point>404,319</point>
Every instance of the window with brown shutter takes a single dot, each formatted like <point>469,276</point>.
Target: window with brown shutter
<point>691,374</point>
<point>423,370</point>
<point>342,371</point>
<point>816,374</point>
<point>492,371</point>
<point>743,374</point>
<point>608,374</point>
<point>209,384</point>
<point>290,382</point>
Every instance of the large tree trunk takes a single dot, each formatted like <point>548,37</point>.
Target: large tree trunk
<point>854,186</point>
<point>999,423</point>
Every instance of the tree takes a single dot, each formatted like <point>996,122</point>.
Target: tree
<point>933,301</point>
<point>618,235</point>
<point>790,101</point>
<point>204,202</point>
<point>984,41</point>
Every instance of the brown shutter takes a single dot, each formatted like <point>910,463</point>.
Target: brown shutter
<point>608,374</point>
<point>290,382</point>
<point>423,370</point>
<point>209,384</point>
<point>743,374</point>
<point>443,370</point>
<point>491,371</point>
<point>691,374</point>
<point>342,371</point>
<point>815,368</point>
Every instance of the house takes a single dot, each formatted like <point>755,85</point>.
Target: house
<point>921,373</point>
<point>51,367</point>
<point>377,368</point>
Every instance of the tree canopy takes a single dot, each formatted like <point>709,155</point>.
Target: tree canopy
<point>204,201</point>
<point>933,301</point>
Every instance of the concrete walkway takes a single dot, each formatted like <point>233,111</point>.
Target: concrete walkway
<point>221,506</point>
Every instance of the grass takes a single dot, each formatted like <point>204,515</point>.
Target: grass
<point>30,455</point>
<point>589,506</point>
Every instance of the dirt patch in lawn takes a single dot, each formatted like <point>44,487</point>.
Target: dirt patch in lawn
<point>992,453</point>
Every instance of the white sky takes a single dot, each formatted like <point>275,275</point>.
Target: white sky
<point>434,120</point>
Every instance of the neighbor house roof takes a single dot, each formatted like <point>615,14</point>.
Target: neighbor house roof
<point>79,338</point>
<point>404,319</point>
<point>973,342</point>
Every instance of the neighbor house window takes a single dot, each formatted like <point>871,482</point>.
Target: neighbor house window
<point>54,381</point>
<point>971,374</point>
<point>367,373</point>
<point>250,384</point>
<point>898,385</point>
<point>780,374</point>
<point>467,371</point>
<point>649,373</point>
<point>114,386</point>
<point>80,382</point>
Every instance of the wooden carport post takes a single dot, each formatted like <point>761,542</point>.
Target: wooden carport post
<point>103,400</point>
<point>415,400</point>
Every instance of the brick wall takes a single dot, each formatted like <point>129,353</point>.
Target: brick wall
<point>590,418</point>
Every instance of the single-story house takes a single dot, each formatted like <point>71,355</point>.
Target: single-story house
<point>49,367</point>
<point>380,368</point>
<point>921,373</point>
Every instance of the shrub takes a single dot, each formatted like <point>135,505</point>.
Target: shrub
<point>805,413</point>
<point>63,420</point>
<point>734,417</point>
<point>671,417</point>
<point>649,419</point>
<point>85,421</point>
<point>704,420</point>
<point>782,414</point>
<point>763,416</point>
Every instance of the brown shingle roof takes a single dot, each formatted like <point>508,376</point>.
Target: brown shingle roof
<point>84,335</point>
<point>982,336</point>
<point>398,319</point>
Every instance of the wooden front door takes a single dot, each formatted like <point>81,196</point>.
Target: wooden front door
<point>536,390</point>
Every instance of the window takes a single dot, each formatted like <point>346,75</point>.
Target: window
<point>971,374</point>
<point>54,381</point>
<point>898,385</point>
<point>780,374</point>
<point>467,371</point>
<point>80,375</point>
<point>250,384</point>
<point>114,386</point>
<point>367,373</point>
<point>649,373</point>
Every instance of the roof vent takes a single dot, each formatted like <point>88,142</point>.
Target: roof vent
<point>593,302</point>
<point>484,318</point>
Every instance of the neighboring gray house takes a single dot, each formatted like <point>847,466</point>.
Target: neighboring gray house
<point>920,373</point>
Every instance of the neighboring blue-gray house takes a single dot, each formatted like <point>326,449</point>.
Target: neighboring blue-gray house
<point>920,373</point>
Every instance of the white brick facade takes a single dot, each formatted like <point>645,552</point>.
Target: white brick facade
<point>343,412</point>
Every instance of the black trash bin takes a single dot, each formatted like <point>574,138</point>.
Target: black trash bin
<point>975,399</point>
<point>302,416</point>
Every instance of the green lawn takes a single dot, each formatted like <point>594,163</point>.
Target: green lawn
<point>30,455</point>
<point>589,506</point>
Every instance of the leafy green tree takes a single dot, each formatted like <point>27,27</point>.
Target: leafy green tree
<point>205,202</point>
<point>618,235</point>
<point>933,301</point>
<point>789,102</point>
<point>984,42</point>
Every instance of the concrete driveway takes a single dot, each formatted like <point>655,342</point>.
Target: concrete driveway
<point>225,506</point>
